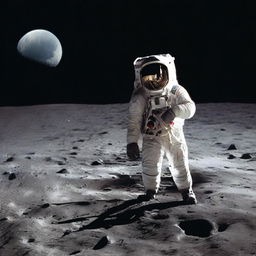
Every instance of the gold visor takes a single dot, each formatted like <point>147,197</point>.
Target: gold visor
<point>154,76</point>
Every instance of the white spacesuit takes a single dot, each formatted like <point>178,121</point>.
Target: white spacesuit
<point>157,110</point>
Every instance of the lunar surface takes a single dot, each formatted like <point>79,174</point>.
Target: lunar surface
<point>67,187</point>
<point>41,46</point>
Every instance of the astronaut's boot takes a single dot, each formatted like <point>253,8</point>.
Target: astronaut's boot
<point>188,196</point>
<point>149,195</point>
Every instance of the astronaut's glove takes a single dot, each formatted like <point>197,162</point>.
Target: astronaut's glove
<point>168,117</point>
<point>133,151</point>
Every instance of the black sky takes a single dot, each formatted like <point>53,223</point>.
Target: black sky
<point>213,43</point>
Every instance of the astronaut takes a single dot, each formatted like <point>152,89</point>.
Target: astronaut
<point>157,110</point>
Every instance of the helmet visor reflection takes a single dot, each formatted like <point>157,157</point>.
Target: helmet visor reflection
<point>154,76</point>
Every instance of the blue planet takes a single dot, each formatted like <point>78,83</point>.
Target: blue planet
<point>41,46</point>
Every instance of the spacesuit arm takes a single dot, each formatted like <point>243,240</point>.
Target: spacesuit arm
<point>185,107</point>
<point>135,117</point>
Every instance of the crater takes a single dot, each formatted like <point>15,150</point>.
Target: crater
<point>198,227</point>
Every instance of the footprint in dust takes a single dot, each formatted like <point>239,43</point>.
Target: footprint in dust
<point>48,159</point>
<point>59,162</point>
<point>36,210</point>
<point>161,216</point>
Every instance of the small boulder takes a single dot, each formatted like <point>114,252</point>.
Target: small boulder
<point>63,171</point>
<point>46,205</point>
<point>97,162</point>
<point>9,159</point>
<point>246,156</point>
<point>12,176</point>
<point>232,147</point>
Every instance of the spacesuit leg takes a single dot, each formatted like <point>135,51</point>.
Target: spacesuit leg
<point>177,154</point>
<point>152,158</point>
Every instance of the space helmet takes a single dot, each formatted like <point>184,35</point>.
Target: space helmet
<point>155,73</point>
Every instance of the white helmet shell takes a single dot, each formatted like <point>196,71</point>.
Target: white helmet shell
<point>165,59</point>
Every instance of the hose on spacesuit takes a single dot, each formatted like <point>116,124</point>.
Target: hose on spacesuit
<point>159,120</point>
